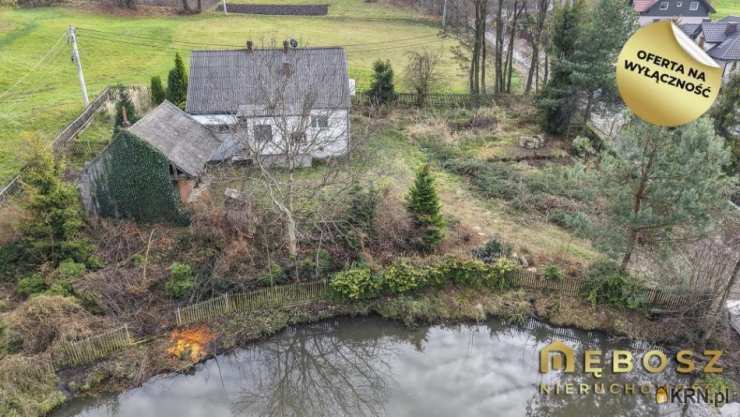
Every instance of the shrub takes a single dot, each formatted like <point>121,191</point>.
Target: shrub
<point>276,275</point>
<point>316,265</point>
<point>156,91</point>
<point>356,283</point>
<point>402,277</point>
<point>582,146</point>
<point>553,273</point>
<point>606,284</point>
<point>501,273</point>
<point>425,209</point>
<point>576,222</point>
<point>491,251</point>
<point>16,262</point>
<point>69,269</point>
<point>382,89</point>
<point>30,285</point>
<point>181,280</point>
<point>125,110</point>
<point>361,215</point>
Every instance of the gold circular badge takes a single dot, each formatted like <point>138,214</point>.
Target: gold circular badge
<point>665,78</point>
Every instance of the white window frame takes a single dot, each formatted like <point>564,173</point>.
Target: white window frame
<point>694,6</point>
<point>664,5</point>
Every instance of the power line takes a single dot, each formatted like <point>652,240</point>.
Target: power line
<point>53,50</point>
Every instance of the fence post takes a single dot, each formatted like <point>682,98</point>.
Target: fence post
<point>128,336</point>
<point>179,319</point>
<point>226,302</point>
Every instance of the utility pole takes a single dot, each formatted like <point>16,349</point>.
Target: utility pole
<point>444,15</point>
<point>225,12</point>
<point>76,59</point>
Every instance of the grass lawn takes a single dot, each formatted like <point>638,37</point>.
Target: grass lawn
<point>726,8</point>
<point>41,96</point>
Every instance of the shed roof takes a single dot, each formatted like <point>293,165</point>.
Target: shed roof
<point>182,140</point>
<point>718,31</point>
<point>232,80</point>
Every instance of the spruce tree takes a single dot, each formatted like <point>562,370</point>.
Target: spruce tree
<point>382,89</point>
<point>157,91</point>
<point>177,83</point>
<point>424,207</point>
<point>726,116</point>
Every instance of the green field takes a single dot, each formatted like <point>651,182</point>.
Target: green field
<point>39,91</point>
<point>726,8</point>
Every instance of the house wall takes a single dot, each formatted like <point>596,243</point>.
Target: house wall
<point>644,20</point>
<point>328,142</point>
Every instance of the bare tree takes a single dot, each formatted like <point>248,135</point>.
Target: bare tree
<point>421,74</point>
<point>293,119</point>
<point>468,23</point>
<point>518,8</point>
<point>535,26</point>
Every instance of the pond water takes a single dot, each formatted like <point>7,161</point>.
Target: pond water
<point>373,367</point>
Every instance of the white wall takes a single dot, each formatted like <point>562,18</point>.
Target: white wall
<point>324,143</point>
<point>644,20</point>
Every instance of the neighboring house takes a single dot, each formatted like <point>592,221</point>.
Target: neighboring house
<point>681,11</point>
<point>150,168</point>
<point>251,99</point>
<point>721,40</point>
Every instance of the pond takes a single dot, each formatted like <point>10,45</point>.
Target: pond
<point>374,367</point>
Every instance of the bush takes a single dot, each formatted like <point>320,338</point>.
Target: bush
<point>402,277</point>
<point>356,283</point>
<point>553,273</point>
<point>576,222</point>
<point>16,262</point>
<point>317,265</point>
<point>382,89</point>
<point>156,91</point>
<point>69,269</point>
<point>177,83</point>
<point>491,251</point>
<point>181,280</point>
<point>606,284</point>
<point>276,275</point>
<point>30,285</point>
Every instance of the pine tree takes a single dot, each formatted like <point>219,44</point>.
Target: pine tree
<point>424,207</point>
<point>557,104</point>
<point>177,83</point>
<point>51,232</point>
<point>382,89</point>
<point>157,91</point>
<point>726,115</point>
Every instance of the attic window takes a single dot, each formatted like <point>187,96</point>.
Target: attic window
<point>664,5</point>
<point>679,4</point>
<point>694,6</point>
<point>320,122</point>
<point>263,133</point>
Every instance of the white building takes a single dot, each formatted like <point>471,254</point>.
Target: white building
<point>680,11</point>
<point>253,99</point>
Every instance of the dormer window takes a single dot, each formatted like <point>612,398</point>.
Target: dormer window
<point>694,6</point>
<point>663,5</point>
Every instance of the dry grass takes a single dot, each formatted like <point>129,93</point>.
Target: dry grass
<point>11,216</point>
<point>28,387</point>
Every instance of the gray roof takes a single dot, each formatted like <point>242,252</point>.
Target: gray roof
<point>730,19</point>
<point>690,29</point>
<point>728,50</point>
<point>256,81</point>
<point>715,32</point>
<point>181,139</point>
<point>679,8</point>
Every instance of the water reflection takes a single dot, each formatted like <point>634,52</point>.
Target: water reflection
<point>370,367</point>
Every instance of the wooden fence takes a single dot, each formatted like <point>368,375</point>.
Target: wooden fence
<point>283,296</point>
<point>91,349</point>
<point>656,297</point>
<point>67,134</point>
<point>432,100</point>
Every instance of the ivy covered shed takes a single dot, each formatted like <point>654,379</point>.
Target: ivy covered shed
<point>149,169</point>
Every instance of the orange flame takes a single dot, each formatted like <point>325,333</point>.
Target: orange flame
<point>190,344</point>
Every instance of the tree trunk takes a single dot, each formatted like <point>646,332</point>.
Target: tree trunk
<point>532,67</point>
<point>636,206</point>
<point>499,47</point>
<point>484,50</point>
<point>712,318</point>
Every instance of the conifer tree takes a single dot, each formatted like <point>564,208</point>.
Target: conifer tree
<point>726,116</point>
<point>382,89</point>
<point>177,83</point>
<point>424,207</point>
<point>157,91</point>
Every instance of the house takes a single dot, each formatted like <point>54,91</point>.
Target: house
<point>257,101</point>
<point>149,169</point>
<point>681,11</point>
<point>721,40</point>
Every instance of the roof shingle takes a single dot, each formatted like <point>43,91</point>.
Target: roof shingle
<point>233,81</point>
<point>181,139</point>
